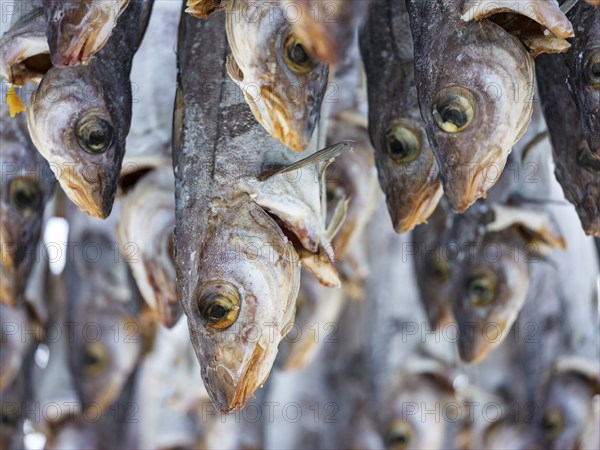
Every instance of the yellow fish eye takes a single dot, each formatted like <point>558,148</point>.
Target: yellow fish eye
<point>481,290</point>
<point>219,305</point>
<point>403,143</point>
<point>399,436</point>
<point>552,423</point>
<point>295,55</point>
<point>95,358</point>
<point>453,109</point>
<point>591,67</point>
<point>94,133</point>
<point>24,194</point>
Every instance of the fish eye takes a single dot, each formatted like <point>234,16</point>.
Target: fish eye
<point>399,436</point>
<point>438,268</point>
<point>591,68</point>
<point>481,290</point>
<point>403,143</point>
<point>587,160</point>
<point>552,423</point>
<point>95,358</point>
<point>24,194</point>
<point>94,133</point>
<point>453,110</point>
<point>219,305</point>
<point>295,55</point>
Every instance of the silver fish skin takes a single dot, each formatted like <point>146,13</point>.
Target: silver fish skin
<point>25,55</point>
<point>27,185</point>
<point>219,151</point>
<point>327,27</point>
<point>76,31</point>
<point>471,127</point>
<point>283,86</point>
<point>80,116</point>
<point>408,172</point>
<point>583,59</point>
<point>145,234</point>
<point>101,295</point>
<point>577,168</point>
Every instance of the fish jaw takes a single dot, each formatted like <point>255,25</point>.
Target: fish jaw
<point>249,253</point>
<point>15,54</point>
<point>408,213</point>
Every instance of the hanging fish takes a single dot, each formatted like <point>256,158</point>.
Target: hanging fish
<point>145,233</point>
<point>101,298</point>
<point>76,31</point>
<point>25,55</point>
<point>577,169</point>
<point>242,215</point>
<point>27,185</point>
<point>474,82</point>
<point>568,417</point>
<point>79,117</point>
<point>408,172</point>
<point>583,61</point>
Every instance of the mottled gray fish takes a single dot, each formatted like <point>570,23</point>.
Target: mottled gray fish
<point>27,184</point>
<point>408,172</point>
<point>474,83</point>
<point>76,31</point>
<point>237,268</point>
<point>79,116</point>
<point>577,169</point>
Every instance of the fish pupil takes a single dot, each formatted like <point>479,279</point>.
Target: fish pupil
<point>596,70</point>
<point>456,116</point>
<point>399,148</point>
<point>23,199</point>
<point>297,54</point>
<point>90,359</point>
<point>217,312</point>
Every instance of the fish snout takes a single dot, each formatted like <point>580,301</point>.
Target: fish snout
<point>473,345</point>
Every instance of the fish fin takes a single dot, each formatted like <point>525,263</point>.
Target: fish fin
<point>321,267</point>
<point>338,218</point>
<point>546,34</point>
<point>15,104</point>
<point>233,69</point>
<point>201,9</point>
<point>537,226</point>
<point>325,155</point>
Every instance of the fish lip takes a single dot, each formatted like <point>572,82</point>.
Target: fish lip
<point>475,348</point>
<point>95,202</point>
<point>426,201</point>
<point>230,399</point>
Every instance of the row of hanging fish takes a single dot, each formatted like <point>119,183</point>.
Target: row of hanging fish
<point>219,163</point>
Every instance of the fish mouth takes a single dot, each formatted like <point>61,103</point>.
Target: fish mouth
<point>229,394</point>
<point>95,200</point>
<point>77,51</point>
<point>27,63</point>
<point>407,215</point>
<point>473,346</point>
<point>465,182</point>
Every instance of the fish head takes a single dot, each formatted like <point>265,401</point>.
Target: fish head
<point>104,314</point>
<point>567,409</point>
<point>75,126</point>
<point>281,83</point>
<point>476,107</point>
<point>408,172</point>
<point>243,303</point>
<point>487,295</point>
<point>27,184</point>
<point>78,30</point>
<point>579,174</point>
<point>589,96</point>
<point>404,424</point>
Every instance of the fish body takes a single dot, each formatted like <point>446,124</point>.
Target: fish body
<point>80,116</point>
<point>76,31</point>
<point>474,83</point>
<point>327,27</point>
<point>282,84</point>
<point>27,185</point>
<point>408,172</point>
<point>577,168</point>
<point>238,283</point>
<point>583,60</point>
<point>145,233</point>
